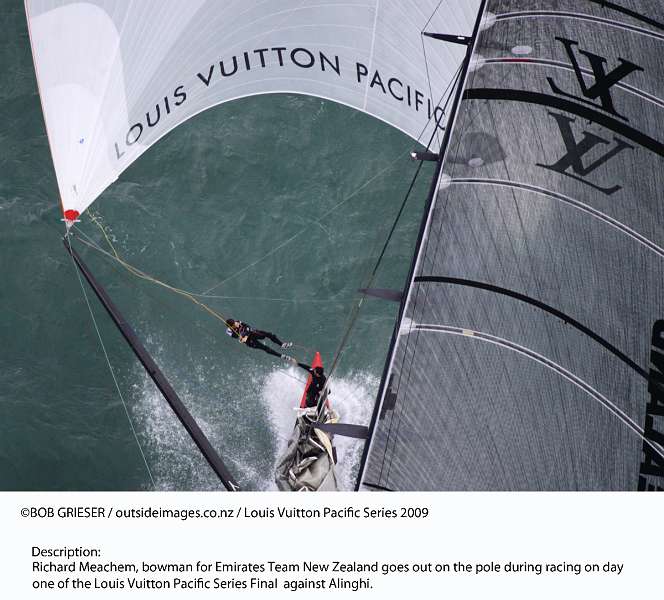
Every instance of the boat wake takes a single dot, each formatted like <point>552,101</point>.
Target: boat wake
<point>352,396</point>
<point>248,424</point>
<point>174,461</point>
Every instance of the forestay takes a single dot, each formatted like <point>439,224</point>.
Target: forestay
<point>534,316</point>
<point>115,76</point>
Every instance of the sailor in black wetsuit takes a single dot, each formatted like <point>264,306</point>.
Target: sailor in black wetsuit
<point>250,336</point>
<point>318,380</point>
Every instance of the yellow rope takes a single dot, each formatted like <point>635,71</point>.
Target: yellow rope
<point>145,276</point>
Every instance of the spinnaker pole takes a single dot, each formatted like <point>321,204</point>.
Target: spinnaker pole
<point>180,410</point>
<point>470,43</point>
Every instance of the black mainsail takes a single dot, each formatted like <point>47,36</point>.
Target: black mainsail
<point>529,353</point>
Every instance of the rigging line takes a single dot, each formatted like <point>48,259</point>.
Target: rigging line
<point>356,309</point>
<point>426,62</point>
<point>426,66</point>
<point>465,75</point>
<point>284,372</point>
<point>206,293</point>
<point>368,282</point>
<point>136,272</point>
<point>408,192</point>
<point>435,10</point>
<point>145,276</point>
<point>424,51</point>
<point>412,183</point>
<point>110,367</point>
<point>395,222</point>
<point>437,122</point>
<point>93,245</point>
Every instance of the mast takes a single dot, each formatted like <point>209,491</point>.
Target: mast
<point>470,43</point>
<point>180,410</point>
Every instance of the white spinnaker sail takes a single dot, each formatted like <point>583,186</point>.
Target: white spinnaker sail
<point>115,76</point>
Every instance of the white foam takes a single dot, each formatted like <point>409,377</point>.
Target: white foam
<point>223,405</point>
<point>174,460</point>
<point>352,396</point>
<point>251,448</point>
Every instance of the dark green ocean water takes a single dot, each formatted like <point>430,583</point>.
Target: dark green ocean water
<point>287,200</point>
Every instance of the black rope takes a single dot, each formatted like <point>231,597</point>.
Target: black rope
<point>371,277</point>
<point>450,88</point>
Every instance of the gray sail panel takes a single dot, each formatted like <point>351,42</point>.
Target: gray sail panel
<point>492,440</point>
<point>551,190</point>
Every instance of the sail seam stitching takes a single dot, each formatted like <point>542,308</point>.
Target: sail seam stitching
<point>655,248</point>
<point>463,77</point>
<point>547,362</point>
<point>580,17</point>
<point>543,306</point>
<point>562,65</point>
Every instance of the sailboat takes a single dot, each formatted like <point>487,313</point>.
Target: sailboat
<point>309,459</point>
<point>115,77</point>
<point>527,350</point>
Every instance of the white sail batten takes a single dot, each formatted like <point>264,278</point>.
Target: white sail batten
<point>115,76</point>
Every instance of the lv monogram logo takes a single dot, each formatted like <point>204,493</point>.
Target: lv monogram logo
<point>578,149</point>
<point>601,89</point>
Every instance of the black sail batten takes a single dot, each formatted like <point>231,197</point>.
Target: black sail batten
<point>592,115</point>
<point>546,241</point>
<point>639,16</point>
<point>420,238</point>
<point>541,305</point>
<point>151,368</point>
